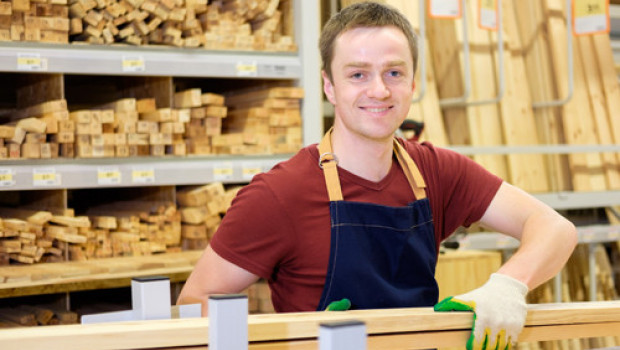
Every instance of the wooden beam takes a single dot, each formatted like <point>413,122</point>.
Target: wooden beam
<point>412,328</point>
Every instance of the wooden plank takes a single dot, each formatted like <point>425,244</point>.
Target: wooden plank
<point>586,169</point>
<point>535,46</point>
<point>527,171</point>
<point>544,321</point>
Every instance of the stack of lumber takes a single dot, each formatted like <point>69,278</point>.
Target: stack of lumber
<point>39,21</point>
<point>228,24</point>
<point>130,228</point>
<point>35,315</point>
<point>265,120</point>
<point>206,111</point>
<point>139,128</point>
<point>31,236</point>
<point>40,131</point>
<point>201,208</point>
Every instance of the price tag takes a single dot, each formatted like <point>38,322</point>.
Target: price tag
<point>613,235</point>
<point>590,17</point>
<point>504,241</point>
<point>444,8</point>
<point>6,177</point>
<point>32,62</point>
<point>248,170</point>
<point>247,69</point>
<point>223,172</point>
<point>488,14</point>
<point>45,177</point>
<point>108,176</point>
<point>143,175</point>
<point>587,236</point>
<point>133,64</point>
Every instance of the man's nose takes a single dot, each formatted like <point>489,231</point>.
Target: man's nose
<point>378,88</point>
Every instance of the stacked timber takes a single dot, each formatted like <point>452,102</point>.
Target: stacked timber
<point>35,315</point>
<point>44,21</point>
<point>206,111</point>
<point>201,208</point>
<point>40,131</point>
<point>228,24</point>
<point>266,120</point>
<point>132,228</point>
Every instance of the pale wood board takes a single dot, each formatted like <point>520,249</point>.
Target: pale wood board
<point>546,321</point>
<point>535,45</point>
<point>527,171</point>
<point>586,169</point>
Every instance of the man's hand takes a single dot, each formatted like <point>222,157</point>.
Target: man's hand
<point>499,312</point>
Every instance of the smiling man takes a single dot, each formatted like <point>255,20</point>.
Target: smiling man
<point>360,216</point>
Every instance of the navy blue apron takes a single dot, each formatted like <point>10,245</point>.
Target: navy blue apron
<point>380,256</point>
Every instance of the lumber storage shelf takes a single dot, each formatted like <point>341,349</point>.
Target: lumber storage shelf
<point>127,172</point>
<point>149,61</point>
<point>72,276</point>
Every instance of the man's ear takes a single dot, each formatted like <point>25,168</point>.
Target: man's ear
<point>413,85</point>
<point>328,88</point>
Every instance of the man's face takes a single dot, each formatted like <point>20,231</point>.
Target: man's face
<point>372,81</point>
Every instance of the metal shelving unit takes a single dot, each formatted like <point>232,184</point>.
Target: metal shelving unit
<point>302,67</point>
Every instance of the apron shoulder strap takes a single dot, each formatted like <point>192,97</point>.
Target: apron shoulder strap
<point>329,163</point>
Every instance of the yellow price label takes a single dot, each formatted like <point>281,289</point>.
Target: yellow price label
<point>6,177</point>
<point>143,175</point>
<point>108,174</point>
<point>247,69</point>
<point>490,5</point>
<point>222,172</point>
<point>133,64</point>
<point>583,8</point>
<point>590,17</point>
<point>44,177</point>
<point>29,61</point>
<point>251,171</point>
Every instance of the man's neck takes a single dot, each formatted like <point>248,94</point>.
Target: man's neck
<point>366,158</point>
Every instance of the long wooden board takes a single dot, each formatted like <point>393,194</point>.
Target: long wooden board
<point>393,328</point>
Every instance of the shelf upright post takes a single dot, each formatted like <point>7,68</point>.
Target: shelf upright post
<point>307,29</point>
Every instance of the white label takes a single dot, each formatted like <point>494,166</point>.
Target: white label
<point>32,62</point>
<point>488,14</point>
<point>45,177</point>
<point>247,69</point>
<point>143,175</point>
<point>133,64</point>
<point>590,16</point>
<point>6,177</point>
<point>445,8</point>
<point>223,172</point>
<point>108,176</point>
<point>249,169</point>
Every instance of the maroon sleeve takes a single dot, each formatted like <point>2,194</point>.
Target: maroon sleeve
<point>249,234</point>
<point>459,189</point>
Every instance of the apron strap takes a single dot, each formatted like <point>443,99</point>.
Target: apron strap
<point>329,163</point>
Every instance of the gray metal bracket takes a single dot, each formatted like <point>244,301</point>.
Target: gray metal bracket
<point>463,100</point>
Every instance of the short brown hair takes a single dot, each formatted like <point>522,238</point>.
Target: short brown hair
<point>364,14</point>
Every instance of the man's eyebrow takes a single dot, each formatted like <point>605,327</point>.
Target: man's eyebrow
<point>367,64</point>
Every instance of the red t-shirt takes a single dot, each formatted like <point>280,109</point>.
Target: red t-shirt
<point>278,226</point>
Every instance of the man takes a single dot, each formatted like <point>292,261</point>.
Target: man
<point>361,216</point>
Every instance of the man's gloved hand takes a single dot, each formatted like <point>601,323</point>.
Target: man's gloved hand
<point>499,312</point>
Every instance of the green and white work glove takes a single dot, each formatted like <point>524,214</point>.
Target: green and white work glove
<point>499,312</point>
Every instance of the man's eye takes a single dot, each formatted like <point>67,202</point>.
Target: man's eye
<point>395,73</point>
<point>357,75</point>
